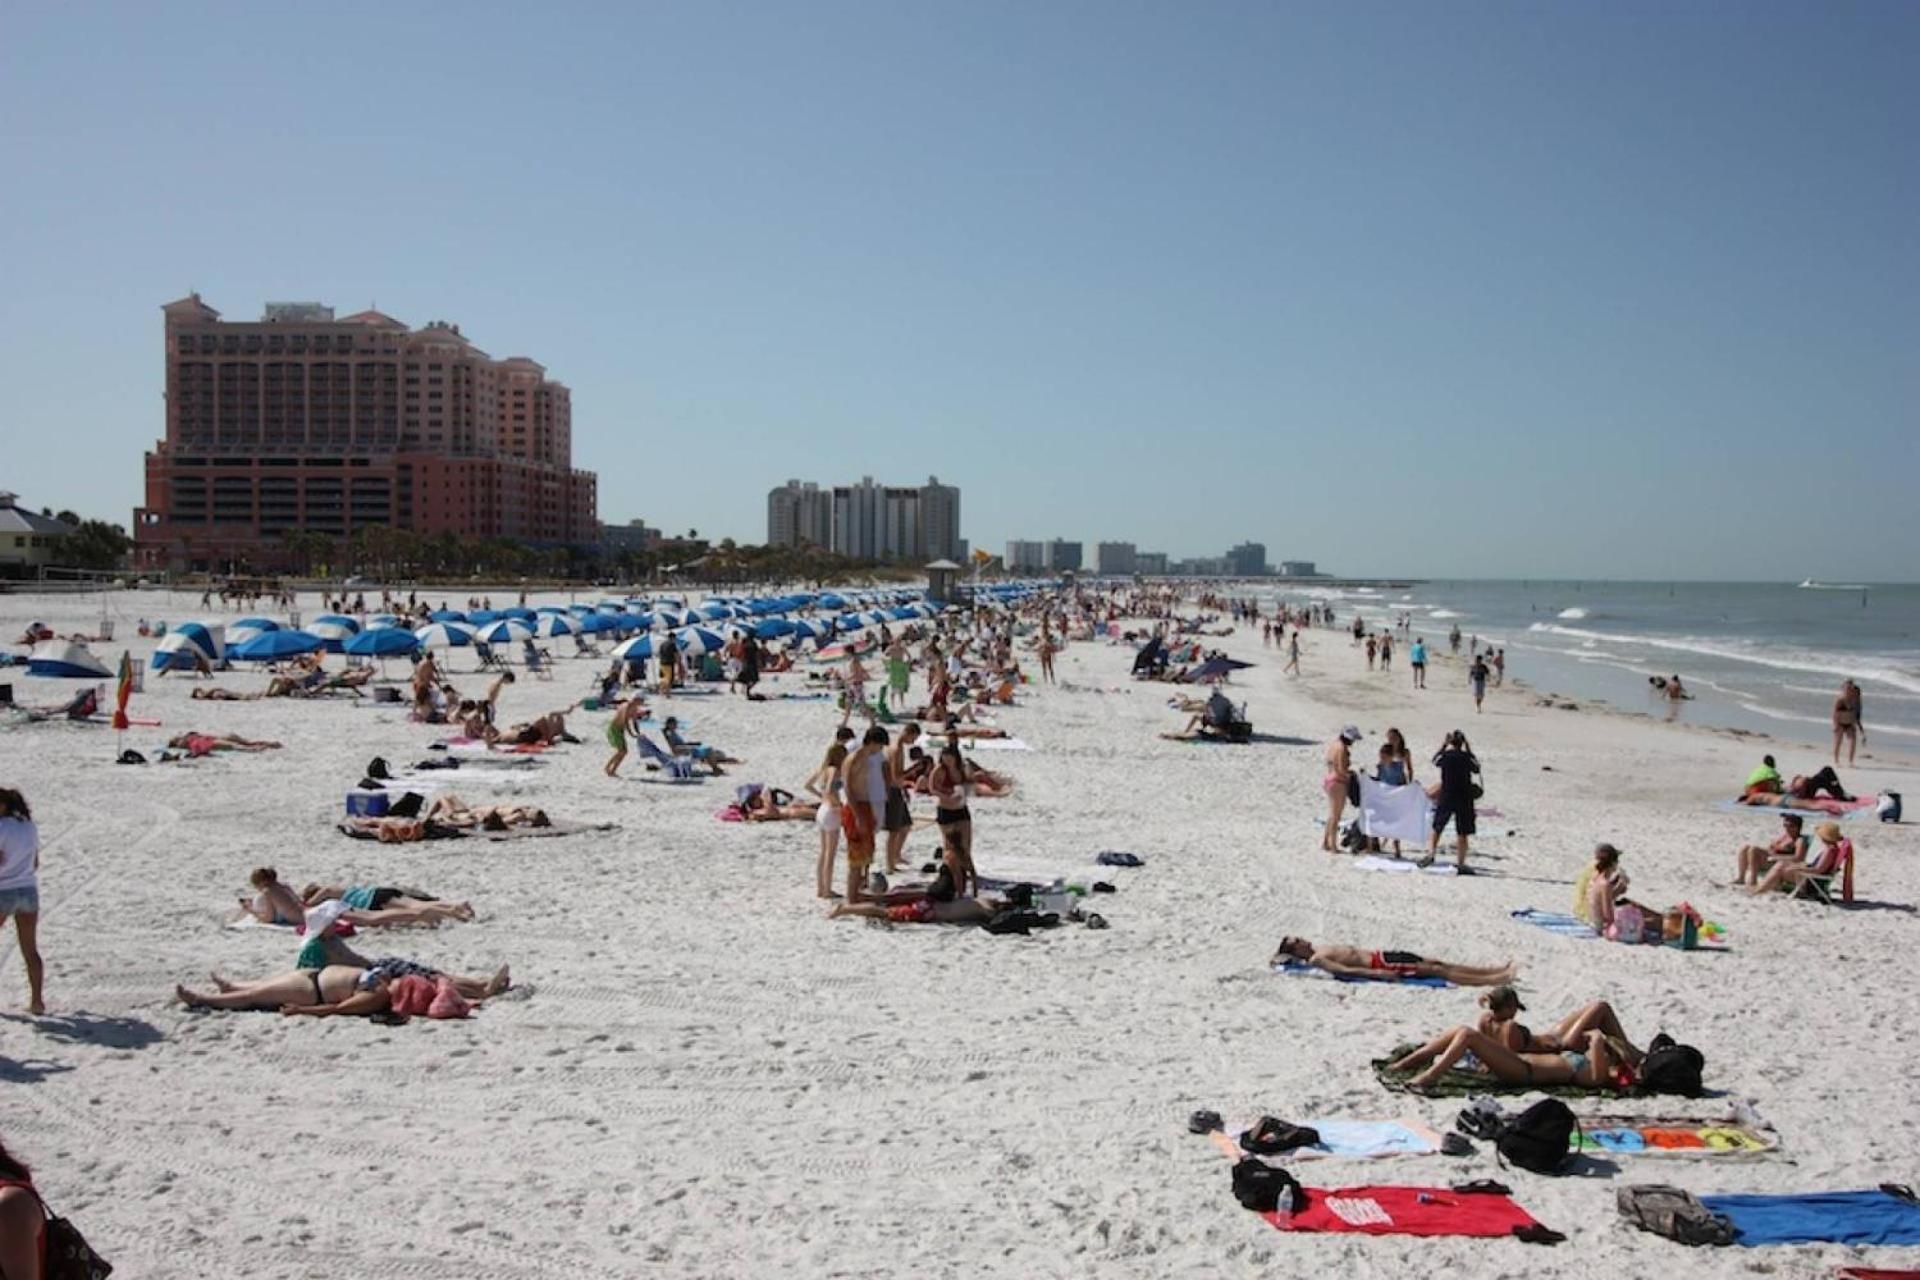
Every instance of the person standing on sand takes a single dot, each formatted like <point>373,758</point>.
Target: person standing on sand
<point>1477,679</point>
<point>863,781</point>
<point>1339,764</point>
<point>20,888</point>
<point>1386,650</point>
<point>667,654</point>
<point>1417,658</point>
<point>1453,799</point>
<point>897,819</point>
<point>1373,649</point>
<point>1499,667</point>
<point>625,717</point>
<point>1293,654</point>
<point>1847,723</point>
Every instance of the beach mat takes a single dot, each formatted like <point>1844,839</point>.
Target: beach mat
<point>1347,1140</point>
<point>1301,969</point>
<point>1822,1217</point>
<point>1406,1211</point>
<point>1374,862</point>
<point>441,832</point>
<point>1842,811</point>
<point>1463,1084</point>
<point>1568,926</point>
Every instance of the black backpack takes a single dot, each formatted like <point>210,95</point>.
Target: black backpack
<point>1262,1188</point>
<point>1270,1137</point>
<point>1672,1068</point>
<point>1539,1139</point>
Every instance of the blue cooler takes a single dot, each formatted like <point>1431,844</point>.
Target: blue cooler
<point>366,804</point>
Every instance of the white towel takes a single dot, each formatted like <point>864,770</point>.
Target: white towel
<point>1395,813</point>
<point>995,744</point>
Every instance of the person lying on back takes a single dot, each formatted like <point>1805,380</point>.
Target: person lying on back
<point>1388,966</point>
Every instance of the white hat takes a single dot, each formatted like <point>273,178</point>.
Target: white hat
<point>324,916</point>
<point>1352,733</point>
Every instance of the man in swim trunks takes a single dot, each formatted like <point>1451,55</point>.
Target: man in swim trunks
<point>1387,966</point>
<point>863,780</point>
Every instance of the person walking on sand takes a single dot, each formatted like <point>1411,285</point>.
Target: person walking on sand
<point>1293,654</point>
<point>897,818</point>
<point>1477,680</point>
<point>1499,668</point>
<point>1847,723</point>
<point>1339,764</point>
<point>20,888</point>
<point>1417,659</point>
<point>1373,649</point>
<point>1386,650</point>
<point>668,656</point>
<point>625,717</point>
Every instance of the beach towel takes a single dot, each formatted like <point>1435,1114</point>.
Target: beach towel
<point>1301,969</point>
<point>1555,922</point>
<point>1820,807</point>
<point>547,832</point>
<point>1879,1217</point>
<point>1374,862</point>
<point>1650,1136</point>
<point>1406,1211</point>
<point>1462,1084</point>
<point>995,744</point>
<point>1350,1140</point>
<point>1395,813</point>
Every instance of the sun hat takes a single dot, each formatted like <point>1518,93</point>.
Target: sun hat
<point>325,916</point>
<point>1351,733</point>
<point>1828,831</point>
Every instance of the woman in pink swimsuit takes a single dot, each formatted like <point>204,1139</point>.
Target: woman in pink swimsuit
<point>1339,762</point>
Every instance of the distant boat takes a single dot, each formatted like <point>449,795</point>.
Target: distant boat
<point>1811,585</point>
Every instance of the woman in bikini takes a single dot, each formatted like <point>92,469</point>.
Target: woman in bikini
<point>1339,763</point>
<point>825,783</point>
<point>1587,1048</point>
<point>952,785</point>
<point>336,990</point>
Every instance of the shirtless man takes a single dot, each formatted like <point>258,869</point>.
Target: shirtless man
<point>864,782</point>
<point>1389,966</point>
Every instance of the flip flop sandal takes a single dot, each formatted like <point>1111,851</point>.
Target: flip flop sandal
<point>1096,921</point>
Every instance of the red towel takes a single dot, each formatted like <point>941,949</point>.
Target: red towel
<point>1405,1211</point>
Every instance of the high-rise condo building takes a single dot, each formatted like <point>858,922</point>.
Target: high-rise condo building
<point>868,521</point>
<point>1116,559</point>
<point>1248,560</point>
<point>303,423</point>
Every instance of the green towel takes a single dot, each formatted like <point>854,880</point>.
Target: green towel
<point>1462,1084</point>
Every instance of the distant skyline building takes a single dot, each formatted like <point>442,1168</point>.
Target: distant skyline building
<point>1151,564</point>
<point>1116,559</point>
<point>1298,569</point>
<point>868,521</point>
<point>1063,556</point>
<point>635,535</point>
<point>303,423</point>
<point>1248,560</point>
<point>1026,557</point>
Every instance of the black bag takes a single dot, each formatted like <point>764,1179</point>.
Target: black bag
<point>1262,1188</point>
<point>1672,1068</point>
<point>69,1256</point>
<point>1673,1213</point>
<point>407,806</point>
<point>1539,1139</point>
<point>1270,1137</point>
<point>1353,787</point>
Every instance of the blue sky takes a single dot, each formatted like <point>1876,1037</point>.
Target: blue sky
<point>1455,290</point>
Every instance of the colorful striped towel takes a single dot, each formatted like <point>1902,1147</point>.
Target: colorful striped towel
<point>1301,969</point>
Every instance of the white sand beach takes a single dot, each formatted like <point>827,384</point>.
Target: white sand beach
<point>697,1074</point>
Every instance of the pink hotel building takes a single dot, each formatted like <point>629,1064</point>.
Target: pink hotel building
<point>300,421</point>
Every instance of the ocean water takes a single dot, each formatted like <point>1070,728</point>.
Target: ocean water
<point>1759,656</point>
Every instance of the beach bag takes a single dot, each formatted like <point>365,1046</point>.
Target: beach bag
<point>1890,806</point>
<point>1353,787</point>
<point>1681,928</point>
<point>1673,1213</point>
<point>1540,1138</point>
<point>1629,924</point>
<point>69,1256</point>
<point>1672,1068</point>
<point>1262,1188</point>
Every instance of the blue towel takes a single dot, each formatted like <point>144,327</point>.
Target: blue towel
<point>1301,969</point>
<point>1827,1217</point>
<point>1811,815</point>
<point>1555,922</point>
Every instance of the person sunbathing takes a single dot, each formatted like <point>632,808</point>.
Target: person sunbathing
<point>205,744</point>
<point>1596,1063</point>
<point>1799,790</point>
<point>545,731</point>
<point>760,803</point>
<point>1790,874</point>
<point>932,903</point>
<point>1754,860</point>
<point>334,990</point>
<point>1388,966</point>
<point>212,694</point>
<point>376,906</point>
<point>1501,1021</point>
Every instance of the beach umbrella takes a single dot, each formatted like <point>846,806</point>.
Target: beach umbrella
<point>481,617</point>
<point>333,630</point>
<point>340,620</point>
<point>504,631</point>
<point>521,612</point>
<point>444,635</point>
<point>695,641</point>
<point>256,624</point>
<point>578,610</point>
<point>597,624</point>
<point>809,629</point>
<point>635,649</point>
<point>447,615</point>
<point>773,628</point>
<point>550,625</point>
<point>274,646</point>
<point>382,621</point>
<point>849,622</point>
<point>383,642</point>
<point>714,610</point>
<point>874,617</point>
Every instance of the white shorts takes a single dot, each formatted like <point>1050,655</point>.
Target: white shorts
<point>827,817</point>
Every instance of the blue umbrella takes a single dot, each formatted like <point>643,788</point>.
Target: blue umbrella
<point>256,624</point>
<point>595,623</point>
<point>385,642</point>
<point>773,628</point>
<point>579,610</point>
<point>713,610</point>
<point>504,631</point>
<point>444,635</point>
<point>382,620</point>
<point>521,612</point>
<point>831,601</point>
<point>695,641</point>
<point>447,615</point>
<point>849,622</point>
<point>634,649</point>
<point>272,646</point>
<point>555,624</point>
<point>481,617</point>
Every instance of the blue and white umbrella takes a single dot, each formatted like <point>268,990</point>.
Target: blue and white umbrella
<point>695,641</point>
<point>598,623</point>
<point>504,631</point>
<point>383,642</point>
<point>521,612</point>
<point>382,622</point>
<point>447,615</point>
<point>641,646</point>
<point>275,646</point>
<point>333,630</point>
<point>481,617</point>
<point>812,628</point>
<point>828,600</point>
<point>714,610</point>
<point>773,628</point>
<point>444,635</point>
<point>550,625</point>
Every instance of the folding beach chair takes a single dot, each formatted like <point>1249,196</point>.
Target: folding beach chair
<point>680,770</point>
<point>489,660</point>
<point>1821,887</point>
<point>537,664</point>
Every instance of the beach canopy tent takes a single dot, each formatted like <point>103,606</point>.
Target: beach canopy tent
<point>247,628</point>
<point>387,642</point>
<point>179,648</point>
<point>276,646</point>
<point>65,660</point>
<point>444,635</point>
